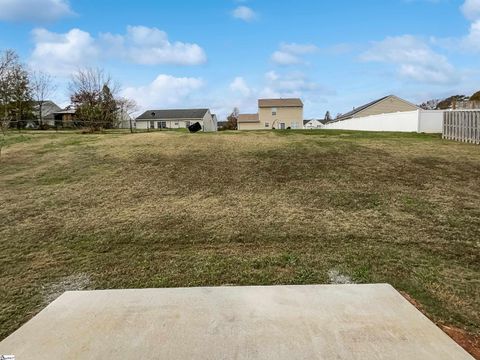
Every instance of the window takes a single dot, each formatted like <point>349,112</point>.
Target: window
<point>161,124</point>
<point>176,124</point>
<point>267,124</point>
<point>274,111</point>
<point>187,123</point>
<point>152,124</point>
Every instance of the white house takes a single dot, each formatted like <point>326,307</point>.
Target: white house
<point>176,119</point>
<point>313,124</point>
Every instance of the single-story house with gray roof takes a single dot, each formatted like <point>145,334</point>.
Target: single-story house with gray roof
<point>176,119</point>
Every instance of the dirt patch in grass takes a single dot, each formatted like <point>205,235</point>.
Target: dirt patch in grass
<point>470,342</point>
<point>171,209</point>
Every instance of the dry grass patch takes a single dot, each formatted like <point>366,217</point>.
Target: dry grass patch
<point>175,209</point>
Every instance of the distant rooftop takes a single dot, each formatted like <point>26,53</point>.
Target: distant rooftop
<point>356,110</point>
<point>248,118</point>
<point>173,114</point>
<point>290,102</point>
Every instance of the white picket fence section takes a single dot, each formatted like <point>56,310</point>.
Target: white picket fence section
<point>462,126</point>
<point>426,121</point>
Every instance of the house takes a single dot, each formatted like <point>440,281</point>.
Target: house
<point>314,124</point>
<point>274,114</point>
<point>384,105</point>
<point>48,109</point>
<point>249,122</point>
<point>215,121</point>
<point>176,119</point>
<point>65,117</point>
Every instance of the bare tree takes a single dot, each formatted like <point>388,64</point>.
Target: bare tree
<point>8,60</point>
<point>232,120</point>
<point>430,104</point>
<point>93,94</point>
<point>15,95</point>
<point>43,86</point>
<point>126,109</point>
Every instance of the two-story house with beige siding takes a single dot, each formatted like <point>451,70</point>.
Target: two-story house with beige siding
<point>274,114</point>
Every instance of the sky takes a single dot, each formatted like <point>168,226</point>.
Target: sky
<point>221,54</point>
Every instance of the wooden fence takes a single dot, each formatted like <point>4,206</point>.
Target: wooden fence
<point>462,126</point>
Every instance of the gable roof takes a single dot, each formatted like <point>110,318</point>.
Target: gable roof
<point>48,108</point>
<point>356,110</point>
<point>248,118</point>
<point>321,121</point>
<point>290,102</point>
<point>173,114</point>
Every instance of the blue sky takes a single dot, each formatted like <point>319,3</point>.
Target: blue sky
<point>225,53</point>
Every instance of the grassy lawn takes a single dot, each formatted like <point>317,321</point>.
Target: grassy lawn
<point>175,209</point>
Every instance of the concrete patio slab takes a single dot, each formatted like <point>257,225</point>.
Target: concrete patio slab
<point>264,322</point>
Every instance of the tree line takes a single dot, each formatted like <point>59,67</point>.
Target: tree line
<point>449,102</point>
<point>93,95</point>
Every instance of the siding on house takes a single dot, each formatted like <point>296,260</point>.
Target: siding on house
<point>274,113</point>
<point>49,108</point>
<point>176,119</point>
<point>313,124</point>
<point>291,117</point>
<point>249,122</point>
<point>169,123</point>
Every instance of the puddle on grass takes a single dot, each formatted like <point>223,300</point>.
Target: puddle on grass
<point>69,283</point>
<point>336,277</point>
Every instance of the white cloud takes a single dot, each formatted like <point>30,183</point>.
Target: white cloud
<point>284,58</point>
<point>415,59</point>
<point>244,13</point>
<point>151,46</point>
<point>291,54</point>
<point>34,10</point>
<point>273,85</point>
<point>471,9</point>
<point>271,75</point>
<point>298,49</point>
<point>62,53</point>
<point>471,42</point>
<point>240,86</point>
<point>165,91</point>
<point>294,84</point>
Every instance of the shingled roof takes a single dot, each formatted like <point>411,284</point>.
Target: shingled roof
<point>292,102</point>
<point>248,118</point>
<point>360,108</point>
<point>173,114</point>
<point>355,111</point>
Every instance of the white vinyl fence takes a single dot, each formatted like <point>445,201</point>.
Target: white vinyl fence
<point>462,126</point>
<point>427,121</point>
